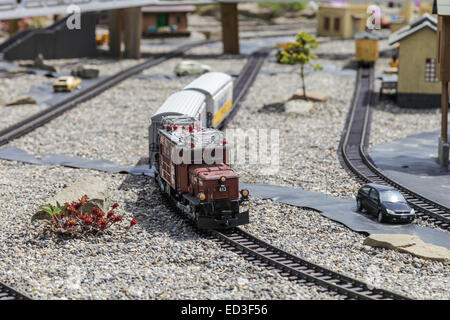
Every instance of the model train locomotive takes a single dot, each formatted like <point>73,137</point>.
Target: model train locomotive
<point>190,157</point>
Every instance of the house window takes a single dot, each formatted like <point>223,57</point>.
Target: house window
<point>430,75</point>
<point>326,23</point>
<point>337,24</point>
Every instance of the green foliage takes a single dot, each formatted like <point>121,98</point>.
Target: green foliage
<point>299,52</point>
<point>53,210</point>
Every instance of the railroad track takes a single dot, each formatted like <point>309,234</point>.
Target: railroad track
<point>243,83</point>
<point>297,269</point>
<point>39,119</point>
<point>355,159</point>
<point>29,124</point>
<point>264,254</point>
<point>7,293</point>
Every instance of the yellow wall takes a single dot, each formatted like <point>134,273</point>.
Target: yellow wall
<point>347,22</point>
<point>412,55</point>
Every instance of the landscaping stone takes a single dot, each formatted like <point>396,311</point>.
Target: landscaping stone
<point>298,106</point>
<point>85,71</point>
<point>409,244</point>
<point>310,95</point>
<point>20,101</point>
<point>93,187</point>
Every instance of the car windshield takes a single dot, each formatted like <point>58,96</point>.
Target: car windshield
<point>391,196</point>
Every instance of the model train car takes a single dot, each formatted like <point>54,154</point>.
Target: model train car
<point>366,49</point>
<point>190,157</point>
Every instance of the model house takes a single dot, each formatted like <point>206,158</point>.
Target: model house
<point>341,19</point>
<point>417,85</point>
<point>165,20</point>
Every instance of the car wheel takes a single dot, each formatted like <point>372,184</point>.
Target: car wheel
<point>359,205</point>
<point>185,73</point>
<point>380,216</point>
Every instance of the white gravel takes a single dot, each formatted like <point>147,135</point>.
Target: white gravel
<point>160,258</point>
<point>163,257</point>
<point>309,235</point>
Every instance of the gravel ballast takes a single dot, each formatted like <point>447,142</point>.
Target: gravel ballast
<point>309,235</point>
<point>163,257</point>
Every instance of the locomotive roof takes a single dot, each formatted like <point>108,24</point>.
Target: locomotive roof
<point>187,103</point>
<point>210,83</point>
<point>200,137</point>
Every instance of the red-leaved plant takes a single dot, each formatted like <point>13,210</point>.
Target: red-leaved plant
<point>69,220</point>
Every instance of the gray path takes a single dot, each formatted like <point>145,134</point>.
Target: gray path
<point>340,210</point>
<point>412,161</point>
<point>344,211</point>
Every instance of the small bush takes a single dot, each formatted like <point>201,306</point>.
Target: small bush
<point>70,220</point>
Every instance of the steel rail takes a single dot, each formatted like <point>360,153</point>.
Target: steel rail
<point>29,124</point>
<point>354,157</point>
<point>39,119</point>
<point>262,253</point>
<point>299,269</point>
<point>7,293</point>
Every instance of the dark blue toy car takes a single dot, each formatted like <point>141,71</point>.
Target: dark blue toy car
<point>386,203</point>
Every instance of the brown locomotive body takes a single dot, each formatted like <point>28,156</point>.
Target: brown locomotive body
<point>193,170</point>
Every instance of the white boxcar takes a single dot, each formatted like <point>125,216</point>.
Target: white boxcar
<point>209,99</point>
<point>188,103</point>
<point>218,89</point>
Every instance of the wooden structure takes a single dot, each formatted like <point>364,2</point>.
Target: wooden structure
<point>230,27</point>
<point>342,20</point>
<point>442,8</point>
<point>166,21</point>
<point>417,85</point>
<point>128,22</point>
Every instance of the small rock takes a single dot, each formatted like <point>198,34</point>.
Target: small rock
<point>93,187</point>
<point>298,106</point>
<point>409,244</point>
<point>20,101</point>
<point>312,96</point>
<point>85,71</point>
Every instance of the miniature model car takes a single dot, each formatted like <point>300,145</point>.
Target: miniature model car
<point>188,67</point>
<point>385,202</point>
<point>66,83</point>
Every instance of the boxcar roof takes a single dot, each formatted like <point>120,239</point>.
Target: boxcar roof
<point>187,103</point>
<point>210,83</point>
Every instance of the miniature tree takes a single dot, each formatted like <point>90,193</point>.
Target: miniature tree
<point>299,52</point>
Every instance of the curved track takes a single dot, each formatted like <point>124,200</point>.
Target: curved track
<point>39,119</point>
<point>354,156</point>
<point>262,253</point>
<point>298,269</point>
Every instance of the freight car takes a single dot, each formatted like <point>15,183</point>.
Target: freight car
<point>193,171</point>
<point>208,99</point>
<point>366,49</point>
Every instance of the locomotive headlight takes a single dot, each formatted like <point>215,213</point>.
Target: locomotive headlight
<point>201,196</point>
<point>244,193</point>
<point>222,180</point>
